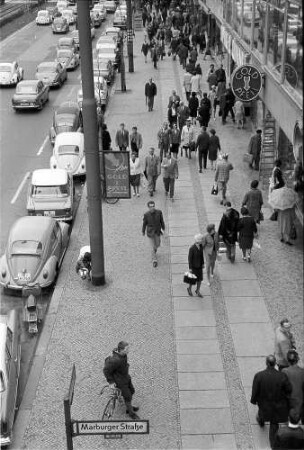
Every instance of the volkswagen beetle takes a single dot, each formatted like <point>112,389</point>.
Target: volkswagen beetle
<point>68,153</point>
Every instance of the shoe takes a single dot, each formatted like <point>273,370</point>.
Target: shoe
<point>200,171</point>
<point>260,421</point>
<point>154,263</point>
<point>138,195</point>
<point>244,258</point>
<point>288,243</point>
<point>208,283</point>
<point>249,258</point>
<point>189,292</point>
<point>166,193</point>
<point>212,275</point>
<point>134,194</point>
<point>199,294</point>
<point>151,194</point>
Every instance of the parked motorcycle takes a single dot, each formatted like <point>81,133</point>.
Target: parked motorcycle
<point>32,310</point>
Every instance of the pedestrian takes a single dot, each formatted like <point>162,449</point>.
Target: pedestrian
<point>213,100</point>
<point>211,77</point>
<point>239,112</point>
<point>229,104</point>
<point>154,55</point>
<point>116,371</point>
<point>270,391</point>
<point>276,181</point>
<point>290,436</point>
<point>135,173</point>
<point>150,93</point>
<point>247,229</point>
<point>196,84</point>
<point>253,200</point>
<point>187,138</point>
<point>182,54</point>
<point>228,230</point>
<point>106,138</point>
<point>202,145</point>
<point>172,114</point>
<point>222,172</point>
<point>145,49</point>
<point>196,264</point>
<point>175,139</point>
<point>170,173</point>
<point>204,111</point>
<point>222,104</point>
<point>202,42</point>
<point>254,149</point>
<point>122,138</point>
<point>295,375</point>
<point>221,74</point>
<point>174,46</point>
<point>193,55</point>
<point>193,106</point>
<point>174,98</point>
<point>183,113</point>
<point>152,170</point>
<point>154,223</point>
<point>136,141</point>
<point>210,244</point>
<point>187,83</point>
<point>214,148</point>
<point>283,342</point>
<point>286,213</point>
<point>163,137</point>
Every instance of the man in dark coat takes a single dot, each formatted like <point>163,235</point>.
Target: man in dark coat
<point>196,263</point>
<point>270,391</point>
<point>150,93</point>
<point>290,436</point>
<point>204,110</point>
<point>183,54</point>
<point>116,371</point>
<point>230,100</point>
<point>295,375</point>
<point>153,222</point>
<point>202,144</point>
<point>254,149</point>
<point>228,230</point>
<point>122,138</point>
<point>220,74</point>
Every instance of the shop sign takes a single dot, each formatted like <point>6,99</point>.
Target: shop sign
<point>246,82</point>
<point>117,174</point>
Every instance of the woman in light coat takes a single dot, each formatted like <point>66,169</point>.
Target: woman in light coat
<point>135,173</point>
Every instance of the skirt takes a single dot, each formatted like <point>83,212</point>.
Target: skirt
<point>198,273</point>
<point>135,179</point>
<point>174,148</point>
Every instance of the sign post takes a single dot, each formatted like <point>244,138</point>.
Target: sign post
<point>117,174</point>
<point>67,402</point>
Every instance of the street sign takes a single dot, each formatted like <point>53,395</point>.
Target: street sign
<point>117,174</point>
<point>111,427</point>
<point>246,82</point>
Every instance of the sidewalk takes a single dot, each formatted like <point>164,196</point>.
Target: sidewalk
<point>192,360</point>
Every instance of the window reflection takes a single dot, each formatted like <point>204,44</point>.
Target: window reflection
<point>294,48</point>
<point>275,36</point>
<point>247,20</point>
<point>260,26</point>
<point>237,16</point>
<point>228,11</point>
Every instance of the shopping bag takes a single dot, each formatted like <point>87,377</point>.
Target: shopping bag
<point>256,244</point>
<point>222,247</point>
<point>247,158</point>
<point>214,190</point>
<point>189,278</point>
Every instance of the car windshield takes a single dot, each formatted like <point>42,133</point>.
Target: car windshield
<point>63,54</point>
<point>45,68</point>
<point>64,119</point>
<point>58,20</point>
<point>50,191</point>
<point>26,89</point>
<point>5,68</point>
<point>105,50</point>
<point>26,248</point>
<point>68,150</point>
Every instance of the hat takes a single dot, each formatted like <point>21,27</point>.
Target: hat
<point>198,238</point>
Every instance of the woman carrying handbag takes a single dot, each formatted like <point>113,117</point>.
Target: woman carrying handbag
<point>196,263</point>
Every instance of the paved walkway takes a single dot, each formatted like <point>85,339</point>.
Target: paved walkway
<point>192,359</point>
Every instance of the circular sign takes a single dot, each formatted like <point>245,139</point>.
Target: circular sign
<point>246,82</point>
<point>290,74</point>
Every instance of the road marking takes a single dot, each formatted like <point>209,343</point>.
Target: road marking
<point>20,187</point>
<point>42,146</point>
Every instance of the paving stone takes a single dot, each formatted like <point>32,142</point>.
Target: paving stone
<point>180,290</point>
<point>249,366</point>
<point>192,303</point>
<point>206,421</point>
<point>178,256</point>
<point>197,347</point>
<point>252,339</point>
<point>194,318</point>
<point>176,251</point>
<point>260,436</point>
<point>241,288</point>
<point>182,222</point>
<point>181,241</point>
<point>237,272</point>
<point>209,442</point>
<point>248,309</point>
<point>179,269</point>
<point>252,409</point>
<point>198,381</point>
<point>195,333</point>
<point>203,399</point>
<point>201,363</point>
<point>190,231</point>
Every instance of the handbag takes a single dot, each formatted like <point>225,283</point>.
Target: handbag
<point>189,278</point>
<point>214,190</point>
<point>247,158</point>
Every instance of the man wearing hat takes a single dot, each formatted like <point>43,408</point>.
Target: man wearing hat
<point>222,175</point>
<point>196,263</point>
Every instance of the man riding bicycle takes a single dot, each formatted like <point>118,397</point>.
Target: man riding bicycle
<point>116,371</point>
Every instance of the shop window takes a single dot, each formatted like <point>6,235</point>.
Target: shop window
<point>294,48</point>
<point>259,40</point>
<point>237,16</point>
<point>228,11</point>
<point>247,20</point>
<point>275,37</point>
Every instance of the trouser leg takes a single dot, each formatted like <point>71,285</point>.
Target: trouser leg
<point>232,253</point>
<point>150,184</point>
<point>205,160</point>
<point>154,183</point>
<point>273,428</point>
<point>200,159</point>
<point>171,182</point>
<point>166,184</point>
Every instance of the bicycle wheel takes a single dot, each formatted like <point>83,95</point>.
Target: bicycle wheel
<point>111,201</point>
<point>109,409</point>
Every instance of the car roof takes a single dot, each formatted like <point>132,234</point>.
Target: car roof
<point>31,228</point>
<point>112,30</point>
<point>70,50</point>
<point>49,177</point>
<point>69,137</point>
<point>7,63</point>
<point>67,108</point>
<point>28,82</point>
<point>48,64</point>
<point>65,39</point>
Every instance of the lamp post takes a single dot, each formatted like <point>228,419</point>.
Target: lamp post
<point>91,144</point>
<point>130,36</point>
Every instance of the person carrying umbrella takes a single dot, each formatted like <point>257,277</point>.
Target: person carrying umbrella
<point>283,200</point>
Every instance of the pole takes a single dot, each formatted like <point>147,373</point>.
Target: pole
<point>130,36</point>
<point>122,65</point>
<point>91,145</point>
<point>68,423</point>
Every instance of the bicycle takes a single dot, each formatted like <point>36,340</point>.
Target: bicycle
<point>115,396</point>
<point>109,200</point>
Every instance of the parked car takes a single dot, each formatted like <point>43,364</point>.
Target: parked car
<point>107,39</point>
<point>113,31</point>
<point>67,117</point>
<point>34,252</point>
<point>101,10</point>
<point>50,194</point>
<point>67,42</point>
<point>119,20</point>
<point>68,59</point>
<point>105,68</point>
<point>60,25</point>
<point>69,16</point>
<point>51,73</point>
<point>110,6</point>
<point>68,153</point>
<point>75,35</point>
<point>10,360</point>
<point>62,5</point>
<point>10,73</point>
<point>109,52</point>
<point>43,17</point>
<point>101,92</point>
<point>30,94</point>
<point>95,18</point>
